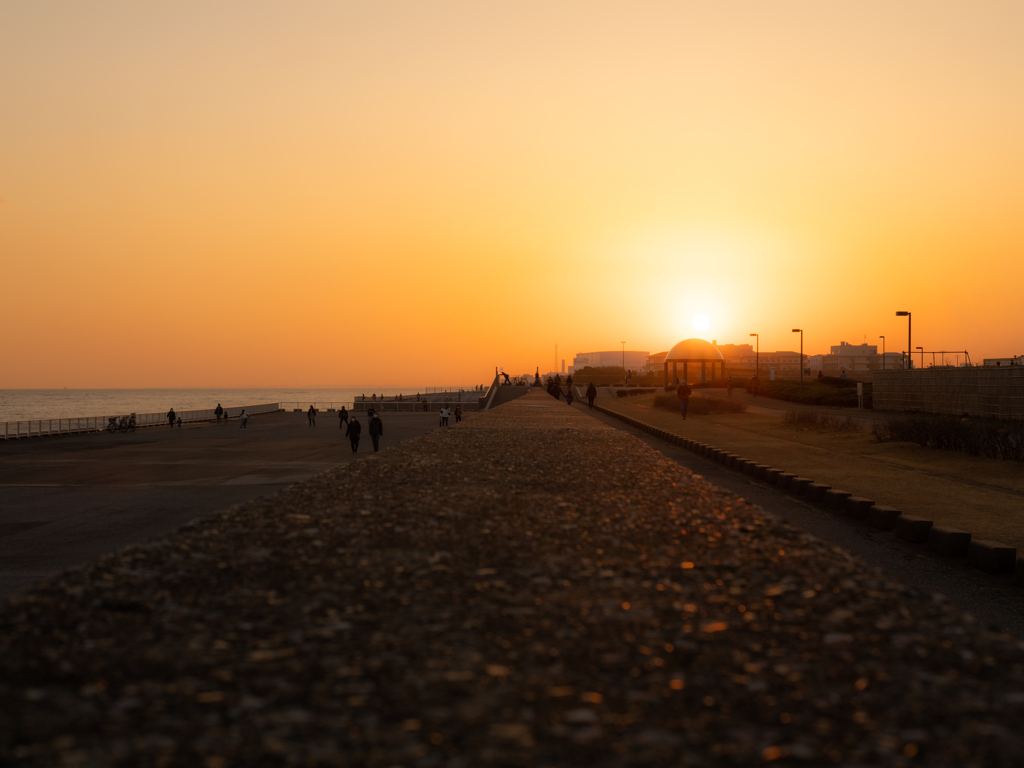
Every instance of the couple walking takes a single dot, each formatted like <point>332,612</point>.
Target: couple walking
<point>355,429</point>
<point>446,413</point>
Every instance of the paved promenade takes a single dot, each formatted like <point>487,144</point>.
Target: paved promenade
<point>67,500</point>
<point>530,588</point>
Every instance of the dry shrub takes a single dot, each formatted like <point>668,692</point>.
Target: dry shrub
<point>990,438</point>
<point>700,406</point>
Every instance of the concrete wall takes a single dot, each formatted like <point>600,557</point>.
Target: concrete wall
<point>978,391</point>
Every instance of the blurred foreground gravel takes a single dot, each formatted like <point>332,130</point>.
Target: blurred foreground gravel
<point>531,588</point>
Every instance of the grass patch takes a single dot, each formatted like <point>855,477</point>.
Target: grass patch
<point>989,438</point>
<point>829,392</point>
<point>700,406</point>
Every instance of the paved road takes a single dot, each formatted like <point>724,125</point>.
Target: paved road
<point>990,599</point>
<point>67,500</point>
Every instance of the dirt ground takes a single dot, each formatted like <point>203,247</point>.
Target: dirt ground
<point>982,496</point>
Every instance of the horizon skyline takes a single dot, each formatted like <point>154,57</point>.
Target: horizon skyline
<point>333,192</point>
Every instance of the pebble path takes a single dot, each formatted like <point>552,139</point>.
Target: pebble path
<point>529,588</point>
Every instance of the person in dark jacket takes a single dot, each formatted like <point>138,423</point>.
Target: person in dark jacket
<point>311,415</point>
<point>683,392</point>
<point>591,394</point>
<point>458,413</point>
<point>342,417</point>
<point>171,417</point>
<point>352,433</point>
<point>376,430</point>
<point>218,412</point>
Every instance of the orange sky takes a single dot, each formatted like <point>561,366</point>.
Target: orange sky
<point>268,194</point>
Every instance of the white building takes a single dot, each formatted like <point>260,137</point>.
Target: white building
<point>634,361</point>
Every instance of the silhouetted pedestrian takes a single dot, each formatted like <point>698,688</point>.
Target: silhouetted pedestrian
<point>342,417</point>
<point>352,432</point>
<point>170,418</point>
<point>445,413</point>
<point>311,415</point>
<point>568,397</point>
<point>458,414</point>
<point>683,392</point>
<point>728,386</point>
<point>591,394</point>
<point>376,431</point>
<point>179,422</point>
<point>218,412</point>
<point>244,418</point>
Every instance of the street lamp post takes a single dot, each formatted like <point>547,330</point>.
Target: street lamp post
<point>922,356</point>
<point>801,332</point>
<point>909,342</point>
<point>757,370</point>
<point>883,351</point>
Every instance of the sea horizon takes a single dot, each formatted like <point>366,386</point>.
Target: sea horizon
<point>64,403</point>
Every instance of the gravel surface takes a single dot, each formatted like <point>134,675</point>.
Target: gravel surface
<point>532,587</point>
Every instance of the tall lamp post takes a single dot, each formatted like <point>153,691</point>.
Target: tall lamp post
<point>757,370</point>
<point>801,332</point>
<point>883,351</point>
<point>922,356</point>
<point>909,348</point>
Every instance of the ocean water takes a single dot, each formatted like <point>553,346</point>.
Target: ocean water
<point>23,404</point>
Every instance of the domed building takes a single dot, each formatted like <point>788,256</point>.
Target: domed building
<point>694,352</point>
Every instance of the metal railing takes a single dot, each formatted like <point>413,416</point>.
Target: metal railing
<point>41,427</point>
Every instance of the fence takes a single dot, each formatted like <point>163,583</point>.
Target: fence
<point>990,391</point>
<point>40,427</point>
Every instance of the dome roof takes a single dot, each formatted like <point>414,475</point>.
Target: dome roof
<point>694,349</point>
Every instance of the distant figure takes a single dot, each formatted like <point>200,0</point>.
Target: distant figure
<point>171,417</point>
<point>591,394</point>
<point>568,380</point>
<point>507,380</point>
<point>445,413</point>
<point>218,412</point>
<point>821,375</point>
<point>753,385</point>
<point>373,397</point>
<point>568,397</point>
<point>729,386</point>
<point>843,374</point>
<point>352,433</point>
<point>683,392</point>
<point>244,419</point>
<point>342,417</point>
<point>458,413</point>
<point>376,431</point>
<point>311,415</point>
<point>179,422</point>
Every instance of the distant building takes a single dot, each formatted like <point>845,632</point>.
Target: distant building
<point>1001,361</point>
<point>635,361</point>
<point>858,360</point>
<point>741,361</point>
<point>655,362</point>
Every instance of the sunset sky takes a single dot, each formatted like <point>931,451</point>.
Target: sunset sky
<point>404,193</point>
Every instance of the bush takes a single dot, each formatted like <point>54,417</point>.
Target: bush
<point>991,438</point>
<point>819,421</point>
<point>700,406</point>
<point>633,392</point>
<point>817,392</point>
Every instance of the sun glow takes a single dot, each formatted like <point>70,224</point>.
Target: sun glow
<point>701,323</point>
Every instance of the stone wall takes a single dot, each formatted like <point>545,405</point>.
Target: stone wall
<point>996,392</point>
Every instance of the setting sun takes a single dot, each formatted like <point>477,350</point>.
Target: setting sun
<point>701,323</point>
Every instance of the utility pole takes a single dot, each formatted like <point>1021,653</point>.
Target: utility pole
<point>883,351</point>
<point>757,371</point>
<point>801,332</point>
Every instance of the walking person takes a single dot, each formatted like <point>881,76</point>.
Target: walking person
<point>342,417</point>
<point>352,432</point>
<point>179,422</point>
<point>458,413</point>
<point>568,397</point>
<point>591,394</point>
<point>218,412</point>
<point>445,413</point>
<point>754,385</point>
<point>311,415</point>
<point>244,419</point>
<point>376,430</point>
<point>728,386</point>
<point>683,392</point>
<point>171,417</point>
